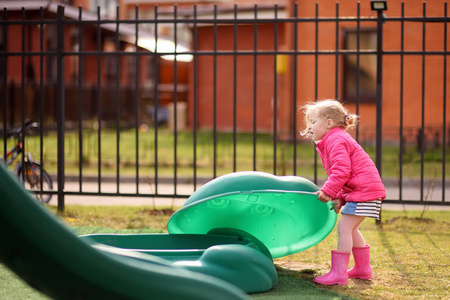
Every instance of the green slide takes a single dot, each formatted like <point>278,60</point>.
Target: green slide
<point>52,259</point>
<point>282,212</point>
<point>239,259</point>
<point>221,243</point>
<point>233,226</point>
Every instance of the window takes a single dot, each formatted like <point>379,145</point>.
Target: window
<point>360,83</point>
<point>107,8</point>
<point>166,31</point>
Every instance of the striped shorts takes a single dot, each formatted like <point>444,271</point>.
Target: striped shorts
<point>367,209</point>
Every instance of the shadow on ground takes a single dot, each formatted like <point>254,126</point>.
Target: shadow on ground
<point>293,284</point>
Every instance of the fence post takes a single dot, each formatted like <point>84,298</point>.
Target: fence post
<point>60,104</point>
<point>379,99</point>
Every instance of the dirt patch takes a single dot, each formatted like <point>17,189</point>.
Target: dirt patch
<point>416,219</point>
<point>299,266</point>
<point>156,212</point>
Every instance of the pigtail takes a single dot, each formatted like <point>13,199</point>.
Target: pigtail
<point>351,120</point>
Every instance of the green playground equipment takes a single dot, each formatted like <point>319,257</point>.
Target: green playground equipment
<point>220,244</point>
<point>240,260</point>
<point>282,212</point>
<point>52,259</point>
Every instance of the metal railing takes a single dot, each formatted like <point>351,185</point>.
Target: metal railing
<point>278,138</point>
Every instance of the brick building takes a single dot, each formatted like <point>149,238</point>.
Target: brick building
<point>419,85</point>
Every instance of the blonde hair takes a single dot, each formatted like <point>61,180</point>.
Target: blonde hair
<point>328,109</point>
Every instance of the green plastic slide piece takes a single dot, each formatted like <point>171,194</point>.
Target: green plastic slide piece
<point>235,259</point>
<point>51,258</point>
<point>282,212</point>
<point>174,246</point>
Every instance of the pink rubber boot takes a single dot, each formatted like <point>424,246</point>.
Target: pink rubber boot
<point>362,268</point>
<point>338,274</point>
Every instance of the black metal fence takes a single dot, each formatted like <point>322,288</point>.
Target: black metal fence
<point>101,109</point>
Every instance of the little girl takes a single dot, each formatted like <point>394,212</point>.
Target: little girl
<point>353,182</point>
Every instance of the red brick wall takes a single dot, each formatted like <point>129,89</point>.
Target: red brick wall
<point>412,72</point>
<point>244,80</point>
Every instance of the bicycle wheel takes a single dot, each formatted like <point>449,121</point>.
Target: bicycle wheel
<point>32,176</point>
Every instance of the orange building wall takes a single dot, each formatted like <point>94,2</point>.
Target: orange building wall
<point>412,72</point>
<point>326,83</point>
<point>244,80</point>
<point>305,84</point>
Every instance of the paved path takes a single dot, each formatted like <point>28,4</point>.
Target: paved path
<point>410,192</point>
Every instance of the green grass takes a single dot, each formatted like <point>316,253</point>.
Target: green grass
<point>409,255</point>
<point>228,157</point>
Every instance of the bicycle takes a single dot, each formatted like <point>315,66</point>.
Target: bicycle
<point>29,170</point>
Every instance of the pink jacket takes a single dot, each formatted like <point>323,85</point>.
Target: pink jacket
<point>352,175</point>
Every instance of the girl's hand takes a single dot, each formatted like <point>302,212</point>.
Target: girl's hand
<point>323,197</point>
<point>337,205</point>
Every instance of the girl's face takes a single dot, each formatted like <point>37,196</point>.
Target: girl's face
<point>318,126</point>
